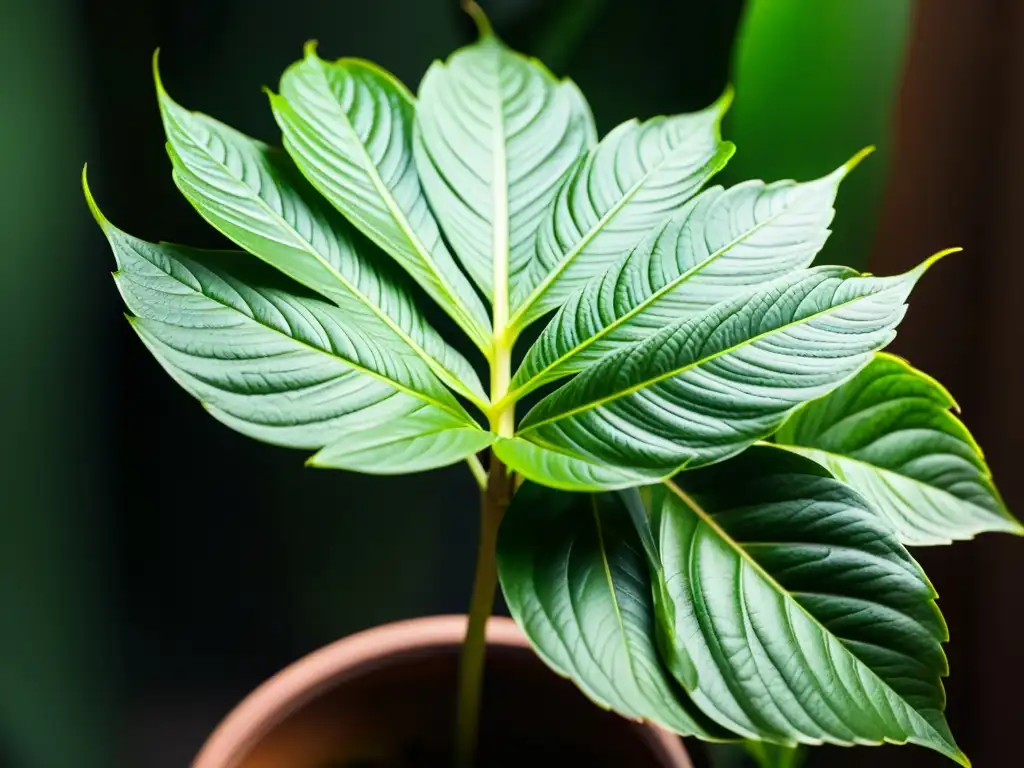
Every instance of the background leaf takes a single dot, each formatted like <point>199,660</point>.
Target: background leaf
<point>582,595</point>
<point>850,56</point>
<point>774,756</point>
<point>254,195</point>
<point>632,181</point>
<point>497,134</point>
<point>890,434</point>
<point>721,244</point>
<point>348,125</point>
<point>706,388</point>
<point>267,359</point>
<point>805,617</point>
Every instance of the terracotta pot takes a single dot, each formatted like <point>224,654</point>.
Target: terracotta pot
<point>367,697</point>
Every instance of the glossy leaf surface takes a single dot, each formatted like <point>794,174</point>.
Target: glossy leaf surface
<point>349,127</point>
<point>807,620</point>
<point>582,594</point>
<point>268,358</point>
<point>497,135</point>
<point>254,195</point>
<point>890,434</point>
<point>704,389</point>
<point>720,244</point>
<point>631,182</point>
<point>413,443</point>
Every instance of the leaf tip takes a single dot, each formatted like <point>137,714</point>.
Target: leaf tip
<point>157,80</point>
<point>927,263</point>
<point>854,161</point>
<point>475,12</point>
<point>723,102</point>
<point>94,209</point>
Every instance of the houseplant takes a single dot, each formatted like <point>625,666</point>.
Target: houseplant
<point>724,470</point>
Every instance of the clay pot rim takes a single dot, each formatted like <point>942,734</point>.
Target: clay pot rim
<point>303,680</point>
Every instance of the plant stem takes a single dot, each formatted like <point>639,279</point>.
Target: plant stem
<point>494,501</point>
<point>496,496</point>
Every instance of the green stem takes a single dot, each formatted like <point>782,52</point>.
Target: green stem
<point>494,501</point>
<point>496,496</point>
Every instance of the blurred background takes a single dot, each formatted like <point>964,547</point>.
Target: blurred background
<point>155,567</point>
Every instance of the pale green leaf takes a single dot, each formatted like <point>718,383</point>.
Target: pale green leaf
<point>631,182</point>
<point>807,620</point>
<point>497,134</point>
<point>349,127</point>
<point>412,444</point>
<point>720,244</point>
<point>267,357</point>
<point>704,389</point>
<point>254,195</point>
<point>564,470</point>
<point>582,595</point>
<point>890,434</point>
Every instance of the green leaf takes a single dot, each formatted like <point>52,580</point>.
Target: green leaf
<point>565,470</point>
<point>806,618</point>
<point>497,135</point>
<point>720,244</point>
<point>253,194</point>
<point>632,181</point>
<point>704,389</point>
<point>890,434</point>
<point>412,444</point>
<point>349,126</point>
<point>582,595</point>
<point>276,363</point>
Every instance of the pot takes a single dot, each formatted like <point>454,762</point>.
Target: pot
<point>385,698</point>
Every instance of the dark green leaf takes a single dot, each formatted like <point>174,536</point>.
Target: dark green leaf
<point>575,579</point>
<point>807,620</point>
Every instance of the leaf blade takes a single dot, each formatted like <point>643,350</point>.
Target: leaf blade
<point>890,433</point>
<point>253,194</point>
<point>581,594</point>
<point>845,649</point>
<point>497,134</point>
<point>631,181</point>
<point>413,444</point>
<point>348,125</point>
<point>720,244</point>
<point>263,355</point>
<point>707,388</point>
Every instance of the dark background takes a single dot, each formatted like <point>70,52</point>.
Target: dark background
<point>155,566</point>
